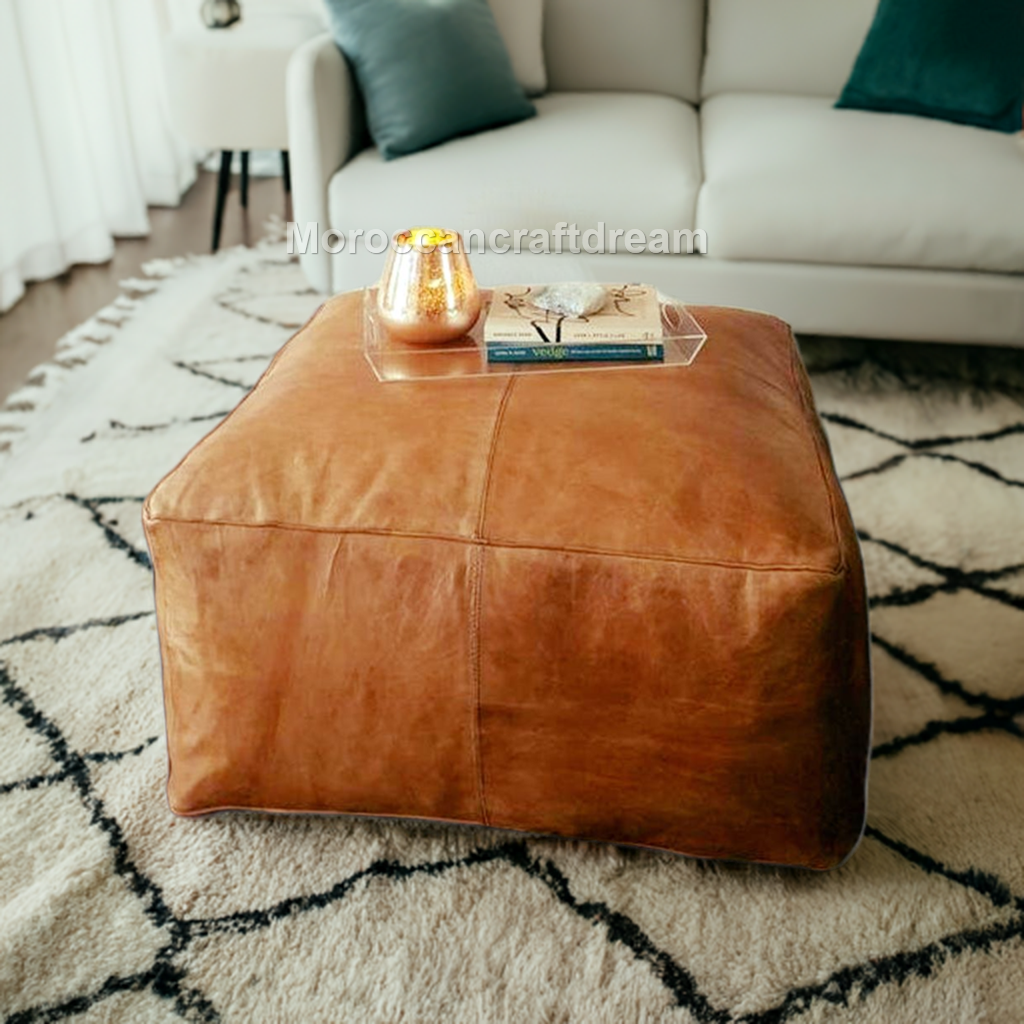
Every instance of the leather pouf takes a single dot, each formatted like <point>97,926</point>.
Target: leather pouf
<point>625,606</point>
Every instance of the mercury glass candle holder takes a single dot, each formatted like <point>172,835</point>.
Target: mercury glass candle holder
<point>427,293</point>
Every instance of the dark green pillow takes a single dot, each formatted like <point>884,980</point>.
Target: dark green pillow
<point>958,60</point>
<point>429,70</point>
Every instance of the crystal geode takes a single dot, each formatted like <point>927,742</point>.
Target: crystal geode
<point>574,298</point>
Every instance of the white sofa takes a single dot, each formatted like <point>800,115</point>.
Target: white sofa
<point>664,114</point>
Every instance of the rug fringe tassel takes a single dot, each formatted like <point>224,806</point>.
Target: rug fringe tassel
<point>79,345</point>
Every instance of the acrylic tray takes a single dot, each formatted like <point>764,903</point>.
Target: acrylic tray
<point>392,360</point>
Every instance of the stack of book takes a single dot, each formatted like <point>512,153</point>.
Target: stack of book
<point>626,329</point>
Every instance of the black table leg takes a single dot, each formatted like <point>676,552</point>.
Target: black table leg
<point>286,170</point>
<point>223,184</point>
<point>244,180</point>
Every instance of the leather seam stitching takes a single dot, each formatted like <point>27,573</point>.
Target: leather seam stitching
<point>576,549</point>
<point>475,585</point>
<point>498,420</point>
<point>476,599</point>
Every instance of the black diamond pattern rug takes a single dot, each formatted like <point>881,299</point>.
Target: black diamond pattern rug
<point>111,909</point>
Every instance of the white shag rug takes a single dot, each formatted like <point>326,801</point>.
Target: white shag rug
<point>111,909</point>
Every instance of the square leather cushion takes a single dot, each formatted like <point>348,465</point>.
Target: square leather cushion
<point>625,606</point>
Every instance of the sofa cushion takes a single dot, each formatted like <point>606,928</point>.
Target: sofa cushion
<point>959,60</point>
<point>791,178</point>
<point>427,72</point>
<point>631,161</point>
<point>639,46</point>
<point>791,46</point>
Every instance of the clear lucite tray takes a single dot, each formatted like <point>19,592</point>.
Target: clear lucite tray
<point>394,360</point>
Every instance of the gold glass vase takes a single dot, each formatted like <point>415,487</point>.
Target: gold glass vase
<point>427,293</point>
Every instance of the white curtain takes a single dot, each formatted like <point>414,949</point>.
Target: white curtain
<point>85,142</point>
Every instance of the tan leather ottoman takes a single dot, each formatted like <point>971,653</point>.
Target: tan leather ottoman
<point>624,606</point>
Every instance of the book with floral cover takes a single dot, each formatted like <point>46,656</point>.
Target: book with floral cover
<point>631,316</point>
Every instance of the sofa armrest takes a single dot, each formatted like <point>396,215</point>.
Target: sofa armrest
<point>325,127</point>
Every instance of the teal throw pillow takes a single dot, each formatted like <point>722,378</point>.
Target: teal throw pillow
<point>429,70</point>
<point>958,60</point>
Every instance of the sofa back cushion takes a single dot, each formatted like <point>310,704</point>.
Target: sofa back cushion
<point>806,47</point>
<point>625,45</point>
<point>520,23</point>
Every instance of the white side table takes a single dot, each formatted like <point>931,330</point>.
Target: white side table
<point>226,89</point>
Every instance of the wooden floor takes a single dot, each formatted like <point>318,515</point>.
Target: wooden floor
<point>29,331</point>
